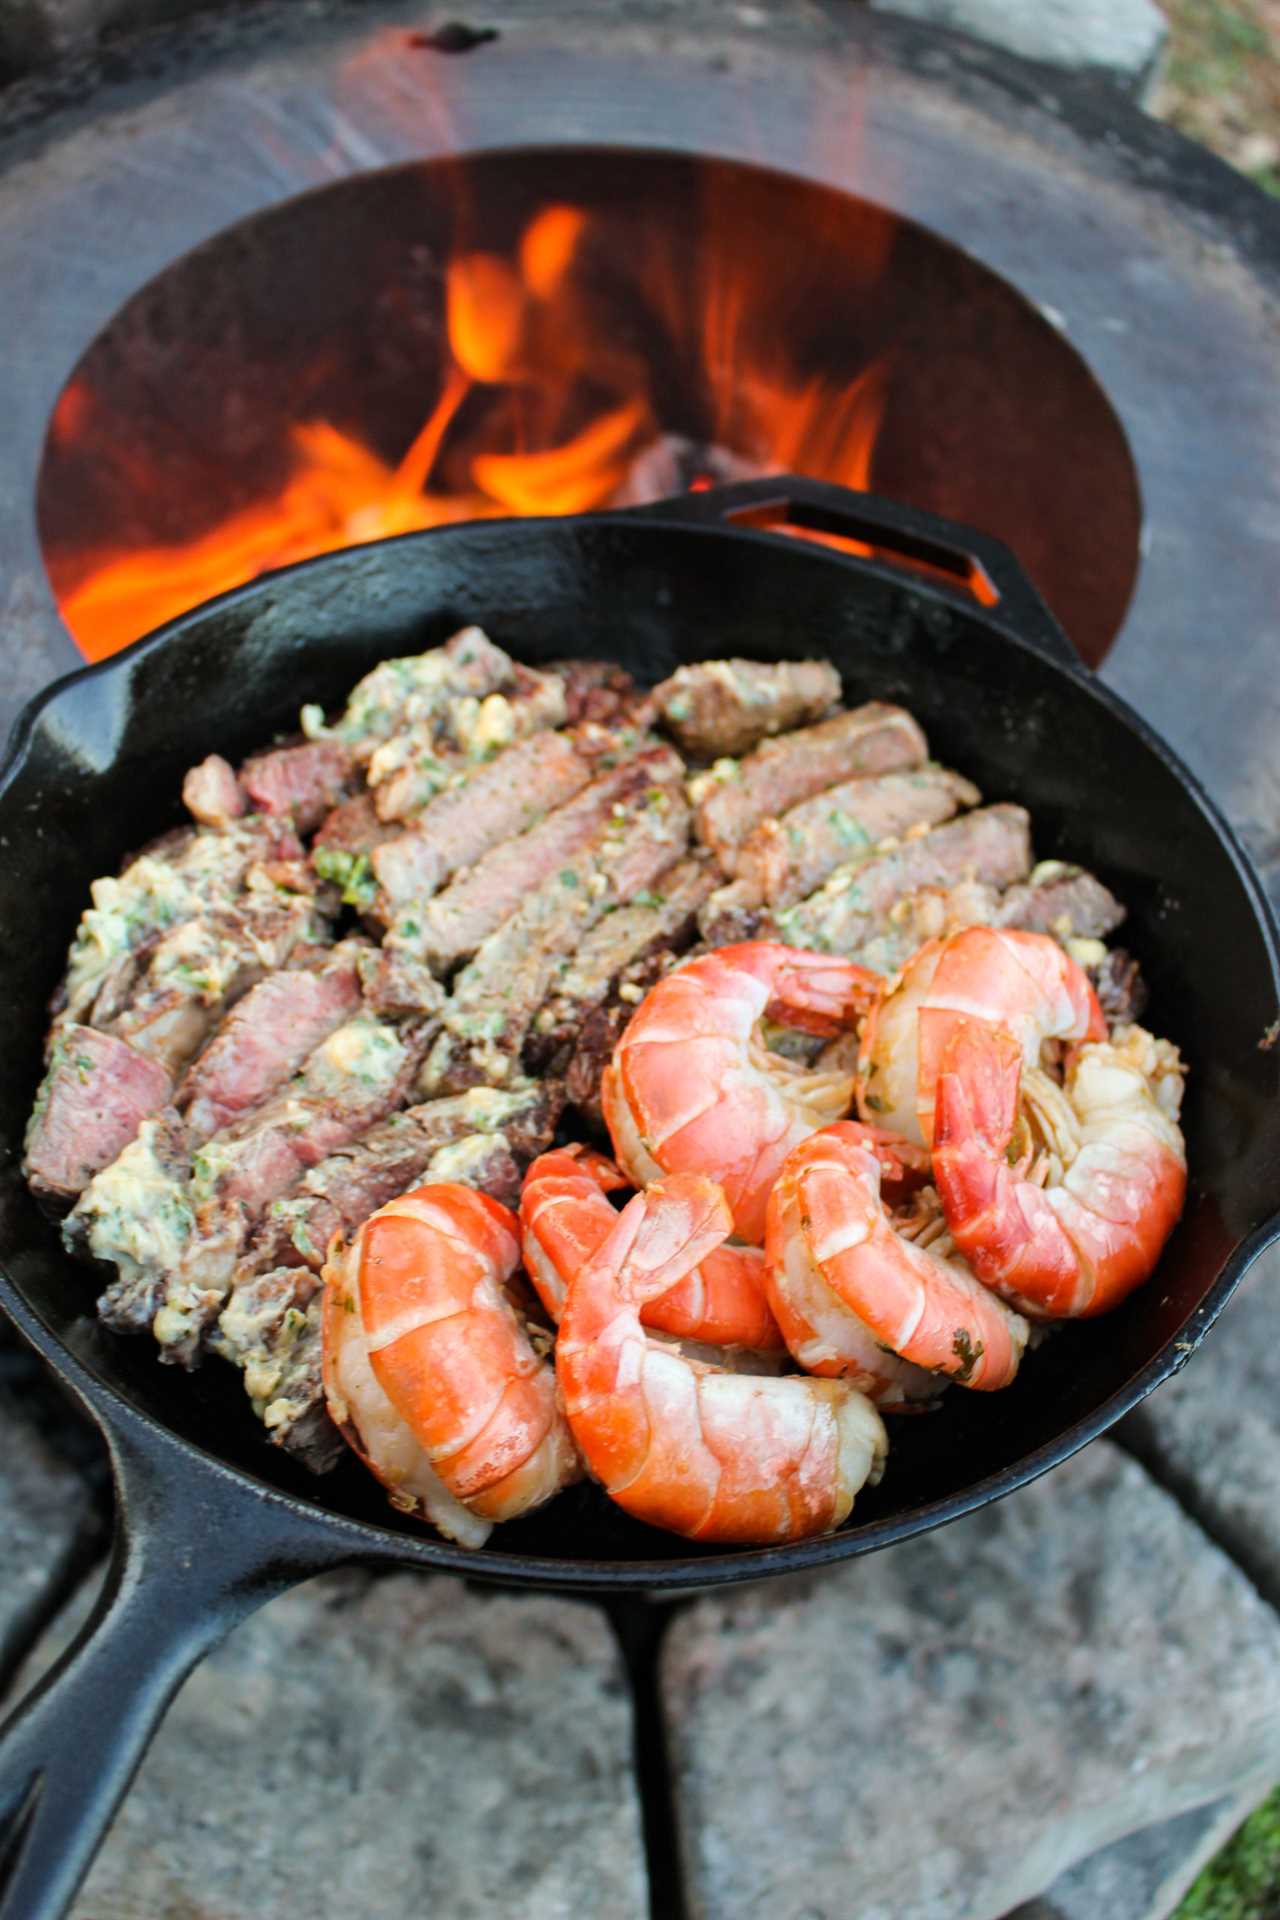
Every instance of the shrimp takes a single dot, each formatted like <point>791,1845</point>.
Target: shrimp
<point>462,1393</point>
<point>1082,1216</point>
<point>679,1444</point>
<point>846,1285</point>
<point>1025,982</point>
<point>692,1088</point>
<point>564,1221</point>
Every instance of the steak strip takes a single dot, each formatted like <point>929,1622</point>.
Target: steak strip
<point>663,917</point>
<point>991,844</point>
<point>93,1098</point>
<point>489,805</point>
<point>496,995</point>
<point>728,706</point>
<point>475,905</point>
<point>266,1039</point>
<point>782,861</point>
<point>735,797</point>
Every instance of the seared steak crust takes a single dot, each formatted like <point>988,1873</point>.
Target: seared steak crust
<point>727,706</point>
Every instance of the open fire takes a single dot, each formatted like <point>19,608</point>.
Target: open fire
<point>547,404</point>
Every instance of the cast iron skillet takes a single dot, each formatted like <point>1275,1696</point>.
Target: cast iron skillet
<point>212,1521</point>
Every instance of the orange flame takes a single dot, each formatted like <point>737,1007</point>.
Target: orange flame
<point>542,409</point>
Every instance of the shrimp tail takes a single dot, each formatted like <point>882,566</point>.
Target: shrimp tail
<point>819,994</point>
<point>663,1234</point>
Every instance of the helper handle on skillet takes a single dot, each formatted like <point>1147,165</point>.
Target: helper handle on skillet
<point>961,563</point>
<point>191,1559</point>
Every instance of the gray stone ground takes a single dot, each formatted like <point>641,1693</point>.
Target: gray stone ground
<point>939,1732</point>
<point>1213,1435</point>
<point>1120,39</point>
<point>43,1521</point>
<point>382,1748</point>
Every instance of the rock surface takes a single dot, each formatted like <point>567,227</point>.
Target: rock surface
<point>385,1748</point>
<point>1145,1876</point>
<point>1212,1436</point>
<point>44,1517</point>
<point>939,1732</point>
<point>1122,39</point>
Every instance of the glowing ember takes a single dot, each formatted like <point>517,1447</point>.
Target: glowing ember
<point>544,408</point>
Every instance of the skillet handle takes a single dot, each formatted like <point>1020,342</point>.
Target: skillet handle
<point>964,566</point>
<point>188,1563</point>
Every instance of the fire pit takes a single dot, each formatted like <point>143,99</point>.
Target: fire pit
<point>533,332</point>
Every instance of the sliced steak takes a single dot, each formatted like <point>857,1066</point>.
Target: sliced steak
<point>305,782</point>
<point>211,792</point>
<point>398,986</point>
<point>354,1182</point>
<point>458,920</point>
<point>735,797</point>
<point>94,1097</point>
<point>266,1038</point>
<point>599,693</point>
<point>991,845</point>
<point>1063,900</point>
<point>202,967</point>
<point>494,998</point>
<point>185,874</point>
<point>409,769</point>
<point>398,692</point>
<point>783,860</point>
<point>272,1325</point>
<point>661,917</point>
<point>505,797</point>
<point>728,706</point>
<point>358,1075</point>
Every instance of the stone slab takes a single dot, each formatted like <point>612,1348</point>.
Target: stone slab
<point>1145,1876</point>
<point>1120,39</point>
<point>386,1747</point>
<point>44,1520</point>
<point>941,1731</point>
<point>1212,1435</point>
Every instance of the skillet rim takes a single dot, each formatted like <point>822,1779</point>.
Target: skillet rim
<point>114,1413</point>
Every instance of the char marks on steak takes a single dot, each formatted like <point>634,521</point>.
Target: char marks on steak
<point>505,797</point>
<point>355,1077</point>
<point>266,1039</point>
<point>728,706</point>
<point>95,1095</point>
<point>734,798</point>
